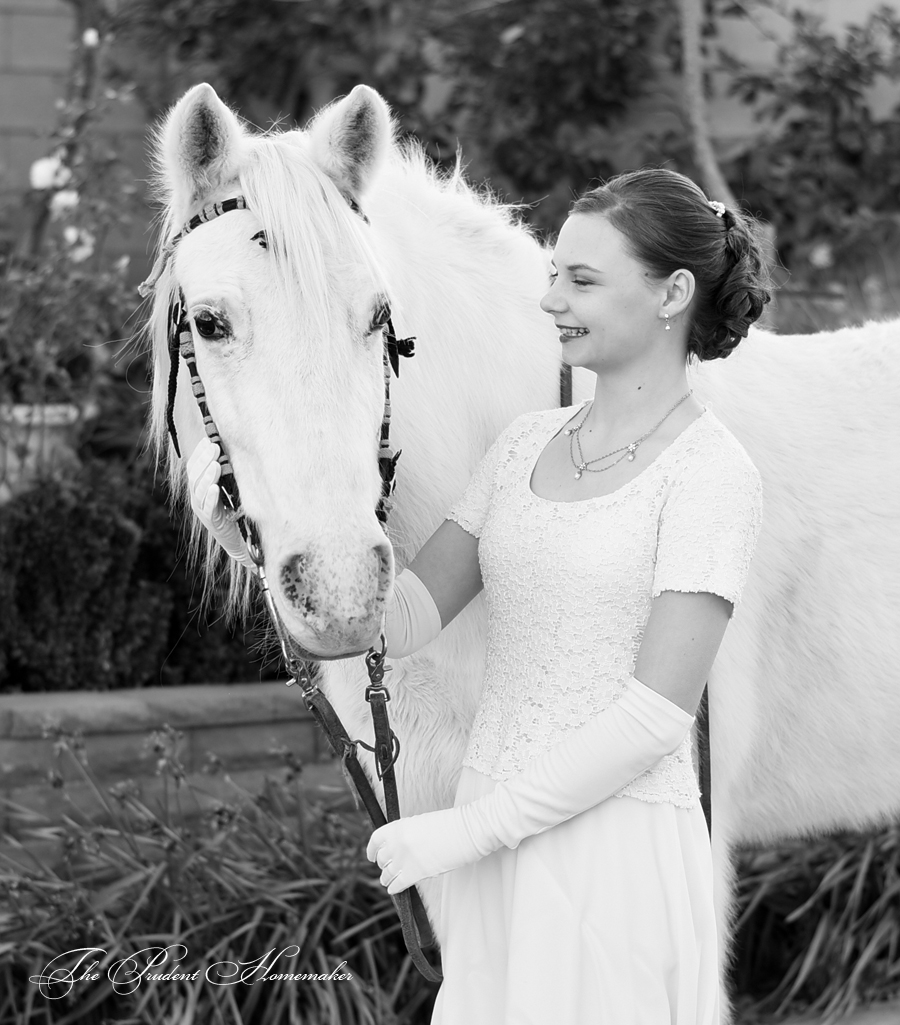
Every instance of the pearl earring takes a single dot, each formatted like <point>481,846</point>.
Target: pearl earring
<point>668,325</point>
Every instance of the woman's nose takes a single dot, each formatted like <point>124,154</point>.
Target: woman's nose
<point>551,302</point>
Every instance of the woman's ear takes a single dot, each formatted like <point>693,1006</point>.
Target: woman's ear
<point>679,288</point>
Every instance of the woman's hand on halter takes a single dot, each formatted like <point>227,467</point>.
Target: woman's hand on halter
<point>203,472</point>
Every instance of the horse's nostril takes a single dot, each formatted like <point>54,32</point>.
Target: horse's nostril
<point>337,590</point>
<point>385,555</point>
<point>295,587</point>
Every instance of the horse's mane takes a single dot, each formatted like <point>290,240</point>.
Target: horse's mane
<point>288,194</point>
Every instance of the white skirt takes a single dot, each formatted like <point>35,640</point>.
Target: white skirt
<point>606,918</point>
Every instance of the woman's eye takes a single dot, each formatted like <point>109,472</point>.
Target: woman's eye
<point>208,326</point>
<point>553,276</point>
<point>580,281</point>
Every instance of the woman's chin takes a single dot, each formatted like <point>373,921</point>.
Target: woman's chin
<point>576,355</point>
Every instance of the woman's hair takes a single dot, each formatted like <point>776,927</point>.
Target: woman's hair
<point>669,224</point>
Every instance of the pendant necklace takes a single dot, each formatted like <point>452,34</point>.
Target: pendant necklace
<point>581,464</point>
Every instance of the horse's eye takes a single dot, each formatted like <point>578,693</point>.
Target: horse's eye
<point>207,326</point>
<point>260,237</point>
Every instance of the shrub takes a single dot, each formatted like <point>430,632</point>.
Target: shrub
<point>95,596</point>
<point>72,617</point>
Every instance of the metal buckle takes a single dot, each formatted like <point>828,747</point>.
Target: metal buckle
<point>380,687</point>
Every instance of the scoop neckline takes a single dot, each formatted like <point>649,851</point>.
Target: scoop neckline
<point>622,487</point>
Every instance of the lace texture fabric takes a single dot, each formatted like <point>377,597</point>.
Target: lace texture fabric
<point>569,585</point>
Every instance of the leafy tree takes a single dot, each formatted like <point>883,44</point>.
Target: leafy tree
<point>538,83</point>
<point>825,170</point>
<point>273,59</point>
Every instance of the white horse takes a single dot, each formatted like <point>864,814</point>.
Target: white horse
<point>805,704</point>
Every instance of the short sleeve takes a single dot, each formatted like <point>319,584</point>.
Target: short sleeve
<point>471,510</point>
<point>708,528</point>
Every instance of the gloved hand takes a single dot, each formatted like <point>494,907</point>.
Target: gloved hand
<point>589,765</point>
<point>419,846</point>
<point>203,472</point>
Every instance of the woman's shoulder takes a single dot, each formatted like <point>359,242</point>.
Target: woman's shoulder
<point>713,453</point>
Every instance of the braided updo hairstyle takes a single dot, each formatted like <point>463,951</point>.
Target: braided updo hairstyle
<point>669,225</point>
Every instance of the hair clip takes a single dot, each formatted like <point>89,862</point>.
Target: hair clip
<point>718,207</point>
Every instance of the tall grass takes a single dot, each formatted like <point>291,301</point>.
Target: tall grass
<point>271,874</point>
<point>819,929</point>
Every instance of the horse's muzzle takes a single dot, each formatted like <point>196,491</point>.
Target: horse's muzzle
<point>333,596</point>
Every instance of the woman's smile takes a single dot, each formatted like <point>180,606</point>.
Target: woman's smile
<point>566,332</point>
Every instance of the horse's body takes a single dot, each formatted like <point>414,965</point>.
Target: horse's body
<point>805,705</point>
<point>805,690</point>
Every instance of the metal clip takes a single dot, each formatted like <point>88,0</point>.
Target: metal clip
<point>375,667</point>
<point>301,674</point>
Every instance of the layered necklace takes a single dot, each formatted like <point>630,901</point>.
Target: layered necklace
<point>581,464</point>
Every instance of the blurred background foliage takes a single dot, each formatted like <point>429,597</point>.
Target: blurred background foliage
<point>543,96</point>
<point>520,86</point>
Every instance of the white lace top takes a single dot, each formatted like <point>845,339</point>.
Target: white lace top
<point>569,585</point>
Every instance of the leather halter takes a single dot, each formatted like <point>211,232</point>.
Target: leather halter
<point>180,343</point>
<point>417,933</point>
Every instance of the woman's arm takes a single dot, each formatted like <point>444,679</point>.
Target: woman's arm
<point>447,564</point>
<point>443,578</point>
<point>680,642</point>
<point>589,765</point>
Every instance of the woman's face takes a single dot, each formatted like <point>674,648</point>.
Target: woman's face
<point>606,305</point>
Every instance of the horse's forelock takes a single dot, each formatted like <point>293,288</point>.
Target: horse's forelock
<point>311,230</point>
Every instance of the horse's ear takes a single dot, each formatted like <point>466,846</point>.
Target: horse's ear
<point>199,146</point>
<point>351,138</point>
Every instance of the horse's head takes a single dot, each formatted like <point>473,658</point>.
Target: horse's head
<point>285,305</point>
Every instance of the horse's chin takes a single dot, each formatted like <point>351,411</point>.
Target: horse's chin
<point>336,644</point>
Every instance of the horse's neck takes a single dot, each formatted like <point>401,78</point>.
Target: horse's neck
<point>467,285</point>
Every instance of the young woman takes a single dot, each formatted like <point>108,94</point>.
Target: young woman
<point>612,542</point>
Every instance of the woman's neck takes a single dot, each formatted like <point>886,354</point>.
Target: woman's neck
<point>629,403</point>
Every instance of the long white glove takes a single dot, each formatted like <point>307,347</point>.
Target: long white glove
<point>411,619</point>
<point>580,771</point>
<point>203,472</point>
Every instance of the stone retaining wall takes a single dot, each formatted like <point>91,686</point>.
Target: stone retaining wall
<point>243,725</point>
